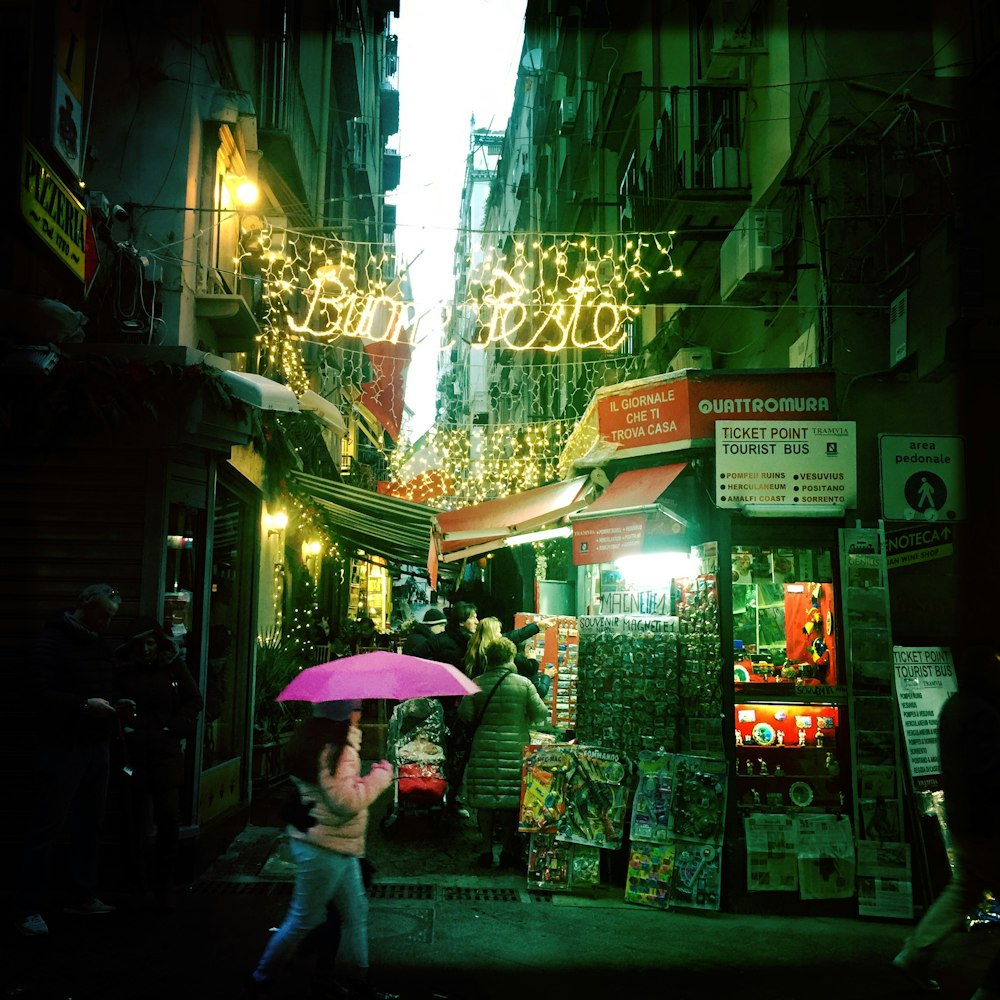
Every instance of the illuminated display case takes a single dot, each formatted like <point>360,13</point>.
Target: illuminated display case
<point>792,755</point>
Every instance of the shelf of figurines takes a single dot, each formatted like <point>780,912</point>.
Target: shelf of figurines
<point>780,778</point>
<point>779,691</point>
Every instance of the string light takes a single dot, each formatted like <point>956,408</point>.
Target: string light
<point>484,462</point>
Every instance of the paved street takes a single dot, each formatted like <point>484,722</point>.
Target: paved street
<point>439,925</point>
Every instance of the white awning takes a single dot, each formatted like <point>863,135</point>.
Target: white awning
<point>260,391</point>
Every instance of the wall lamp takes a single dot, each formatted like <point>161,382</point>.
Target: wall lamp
<point>276,522</point>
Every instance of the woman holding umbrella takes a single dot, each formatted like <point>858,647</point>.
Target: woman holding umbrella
<point>325,764</point>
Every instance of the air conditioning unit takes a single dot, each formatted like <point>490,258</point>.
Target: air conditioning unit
<point>897,328</point>
<point>690,357</point>
<point>748,251</point>
<point>357,144</point>
<point>567,114</point>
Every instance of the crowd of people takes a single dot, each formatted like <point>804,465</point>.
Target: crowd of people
<point>127,710</point>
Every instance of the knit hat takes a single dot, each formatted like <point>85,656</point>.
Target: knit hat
<point>434,616</point>
<point>338,711</point>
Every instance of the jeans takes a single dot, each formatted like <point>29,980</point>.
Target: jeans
<point>977,868</point>
<point>320,876</point>
<point>70,782</point>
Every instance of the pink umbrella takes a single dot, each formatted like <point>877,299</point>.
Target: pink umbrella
<point>379,674</point>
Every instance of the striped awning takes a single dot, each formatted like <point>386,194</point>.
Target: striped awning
<point>397,530</point>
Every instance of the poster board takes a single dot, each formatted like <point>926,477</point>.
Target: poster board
<point>925,680</point>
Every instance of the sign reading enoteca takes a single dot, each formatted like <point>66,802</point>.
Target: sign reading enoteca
<point>925,679</point>
<point>803,467</point>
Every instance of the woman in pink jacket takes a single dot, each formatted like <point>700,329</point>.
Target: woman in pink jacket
<point>324,761</point>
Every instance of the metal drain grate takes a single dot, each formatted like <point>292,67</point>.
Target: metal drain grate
<point>396,890</point>
<point>476,894</point>
<point>217,887</point>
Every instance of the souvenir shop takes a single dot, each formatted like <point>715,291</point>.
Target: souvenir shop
<point>721,750</point>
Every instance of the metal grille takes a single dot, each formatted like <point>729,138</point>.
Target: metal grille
<point>392,890</point>
<point>477,894</point>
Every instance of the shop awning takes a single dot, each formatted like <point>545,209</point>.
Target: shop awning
<point>633,492</point>
<point>627,516</point>
<point>395,529</point>
<point>485,526</point>
<point>260,391</point>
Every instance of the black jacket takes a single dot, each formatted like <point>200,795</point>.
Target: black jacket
<point>423,642</point>
<point>452,644</point>
<point>167,703</point>
<point>69,664</point>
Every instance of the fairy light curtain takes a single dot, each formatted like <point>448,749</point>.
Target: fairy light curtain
<point>553,293</point>
<point>557,292</point>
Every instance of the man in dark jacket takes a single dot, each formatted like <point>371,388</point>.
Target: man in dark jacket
<point>969,740</point>
<point>69,684</point>
<point>423,638</point>
<point>461,628</point>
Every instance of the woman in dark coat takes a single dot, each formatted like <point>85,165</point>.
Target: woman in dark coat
<point>493,775</point>
<point>151,673</point>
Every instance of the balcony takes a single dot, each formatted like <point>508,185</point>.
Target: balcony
<point>286,134</point>
<point>693,179</point>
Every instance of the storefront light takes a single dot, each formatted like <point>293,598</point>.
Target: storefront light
<point>655,571</point>
<point>564,531</point>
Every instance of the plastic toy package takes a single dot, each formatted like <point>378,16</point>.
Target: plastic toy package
<point>650,872</point>
<point>561,867</point>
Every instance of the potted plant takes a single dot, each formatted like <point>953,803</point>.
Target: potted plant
<point>278,660</point>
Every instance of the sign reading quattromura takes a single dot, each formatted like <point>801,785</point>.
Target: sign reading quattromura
<point>52,211</point>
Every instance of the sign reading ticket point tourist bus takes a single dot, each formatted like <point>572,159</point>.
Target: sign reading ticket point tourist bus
<point>803,468</point>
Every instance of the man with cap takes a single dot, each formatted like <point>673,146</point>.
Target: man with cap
<point>423,638</point>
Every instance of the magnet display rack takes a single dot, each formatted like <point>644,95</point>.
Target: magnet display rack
<point>884,865</point>
<point>556,648</point>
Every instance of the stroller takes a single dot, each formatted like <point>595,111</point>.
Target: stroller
<point>416,747</point>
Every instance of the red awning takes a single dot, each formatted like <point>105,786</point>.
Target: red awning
<point>633,491</point>
<point>484,526</point>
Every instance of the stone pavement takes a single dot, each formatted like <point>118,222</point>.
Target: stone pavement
<point>442,927</point>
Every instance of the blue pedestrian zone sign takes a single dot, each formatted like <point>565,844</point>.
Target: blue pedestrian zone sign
<point>922,478</point>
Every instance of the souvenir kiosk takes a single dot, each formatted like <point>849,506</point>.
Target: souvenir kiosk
<point>718,692</point>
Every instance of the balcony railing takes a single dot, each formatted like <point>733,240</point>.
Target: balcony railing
<point>697,148</point>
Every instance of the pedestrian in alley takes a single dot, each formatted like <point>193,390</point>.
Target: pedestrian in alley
<point>68,690</point>
<point>461,627</point>
<point>324,761</point>
<point>501,715</point>
<point>163,706</point>
<point>488,631</point>
<point>969,741</point>
<point>423,638</point>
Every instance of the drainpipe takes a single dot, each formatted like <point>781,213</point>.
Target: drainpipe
<point>826,334</point>
<point>324,128</point>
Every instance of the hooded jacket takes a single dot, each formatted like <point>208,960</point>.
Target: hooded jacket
<point>167,703</point>
<point>340,800</point>
<point>422,642</point>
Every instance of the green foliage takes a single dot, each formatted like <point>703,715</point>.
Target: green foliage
<point>279,659</point>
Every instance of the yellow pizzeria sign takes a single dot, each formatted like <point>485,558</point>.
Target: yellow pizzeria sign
<point>52,211</point>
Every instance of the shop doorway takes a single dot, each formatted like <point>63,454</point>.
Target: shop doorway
<point>230,635</point>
